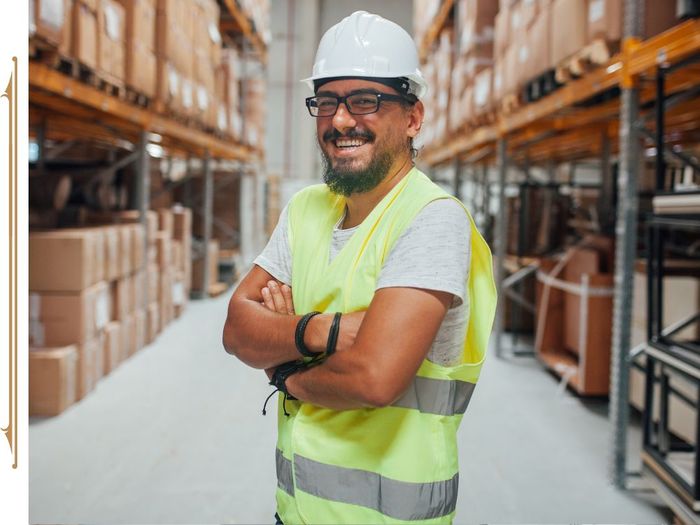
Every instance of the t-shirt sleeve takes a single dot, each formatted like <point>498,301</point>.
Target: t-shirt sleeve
<point>276,258</point>
<point>432,253</point>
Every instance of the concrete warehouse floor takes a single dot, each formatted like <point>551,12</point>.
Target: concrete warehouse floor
<point>176,435</point>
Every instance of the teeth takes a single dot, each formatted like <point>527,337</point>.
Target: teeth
<point>349,143</point>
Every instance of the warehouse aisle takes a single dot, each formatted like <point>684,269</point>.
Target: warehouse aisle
<point>175,435</point>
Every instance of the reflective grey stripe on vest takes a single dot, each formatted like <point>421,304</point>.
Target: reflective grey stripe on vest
<point>437,396</point>
<point>284,473</point>
<point>397,499</point>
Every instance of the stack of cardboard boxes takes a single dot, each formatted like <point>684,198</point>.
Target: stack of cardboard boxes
<point>503,46</point>
<point>424,11</point>
<point>472,75</point>
<point>111,28</point>
<point>207,57</point>
<point>254,111</point>
<point>259,11</point>
<point>97,296</point>
<point>141,46</point>
<point>168,50</point>
<point>229,120</point>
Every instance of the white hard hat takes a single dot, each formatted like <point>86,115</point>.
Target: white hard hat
<point>368,46</point>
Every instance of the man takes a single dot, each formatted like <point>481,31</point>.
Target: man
<point>373,387</point>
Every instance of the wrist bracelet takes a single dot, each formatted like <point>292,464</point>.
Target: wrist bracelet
<point>299,335</point>
<point>333,334</point>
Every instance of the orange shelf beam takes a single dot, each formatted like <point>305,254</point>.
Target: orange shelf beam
<point>117,111</point>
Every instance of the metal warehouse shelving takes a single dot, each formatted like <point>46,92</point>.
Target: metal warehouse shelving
<point>605,111</point>
<point>63,108</point>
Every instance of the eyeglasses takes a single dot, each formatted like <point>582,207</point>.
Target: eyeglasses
<point>357,103</point>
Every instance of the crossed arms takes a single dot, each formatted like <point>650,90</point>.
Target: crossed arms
<point>378,351</point>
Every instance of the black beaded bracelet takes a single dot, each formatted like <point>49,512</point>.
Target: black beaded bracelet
<point>333,334</point>
<point>299,335</point>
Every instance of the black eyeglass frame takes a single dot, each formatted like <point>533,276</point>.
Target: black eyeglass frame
<point>343,100</point>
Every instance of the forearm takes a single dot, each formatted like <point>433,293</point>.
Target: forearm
<point>262,338</point>
<point>342,382</point>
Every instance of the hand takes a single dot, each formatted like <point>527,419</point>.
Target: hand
<point>277,297</point>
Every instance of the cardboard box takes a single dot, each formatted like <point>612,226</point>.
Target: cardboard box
<point>164,249</point>
<point>128,336</point>
<point>153,281</point>
<point>139,291</point>
<point>151,225</point>
<point>138,245</point>
<point>47,19</point>
<point>63,261</point>
<point>113,346</point>
<point>165,298</point>
<point>139,329</point>
<point>178,261</point>
<point>112,257</point>
<point>53,379</point>
<point>197,267</point>
<point>152,322</point>
<point>539,36</point>
<point>125,247</point>
<point>570,30</point>
<point>166,221</point>
<point>122,301</point>
<point>111,27</point>
<point>605,20</point>
<point>99,363</point>
<point>59,319</point>
<point>88,363</point>
<point>182,223</point>
<point>85,33</point>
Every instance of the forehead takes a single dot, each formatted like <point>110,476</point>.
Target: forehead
<point>341,87</point>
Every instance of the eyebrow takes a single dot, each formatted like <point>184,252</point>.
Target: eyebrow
<point>353,92</point>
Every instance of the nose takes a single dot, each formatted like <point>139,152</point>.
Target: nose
<point>343,119</point>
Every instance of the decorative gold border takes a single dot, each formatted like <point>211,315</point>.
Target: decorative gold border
<point>10,94</point>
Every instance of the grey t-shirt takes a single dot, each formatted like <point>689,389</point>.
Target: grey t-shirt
<point>432,253</point>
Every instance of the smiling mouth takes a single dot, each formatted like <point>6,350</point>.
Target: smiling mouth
<point>348,145</point>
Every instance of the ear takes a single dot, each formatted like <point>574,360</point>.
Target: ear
<point>415,122</point>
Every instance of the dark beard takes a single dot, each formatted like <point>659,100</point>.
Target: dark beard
<point>348,181</point>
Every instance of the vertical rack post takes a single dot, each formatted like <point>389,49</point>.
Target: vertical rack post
<point>606,202</point>
<point>502,161</point>
<point>625,253</point>
<point>143,196</point>
<point>207,212</point>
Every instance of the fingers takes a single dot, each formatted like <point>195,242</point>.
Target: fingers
<point>267,299</point>
<point>287,294</point>
<point>278,298</point>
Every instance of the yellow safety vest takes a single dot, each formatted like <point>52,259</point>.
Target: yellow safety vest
<point>396,464</point>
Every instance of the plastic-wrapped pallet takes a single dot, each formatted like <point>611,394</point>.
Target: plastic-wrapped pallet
<point>111,28</point>
<point>206,57</point>
<point>48,19</point>
<point>141,45</point>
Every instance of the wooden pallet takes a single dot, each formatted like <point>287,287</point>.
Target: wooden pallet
<point>541,86</point>
<point>587,58</point>
<point>510,103</point>
<point>138,99</point>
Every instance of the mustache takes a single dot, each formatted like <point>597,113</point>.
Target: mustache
<point>334,134</point>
